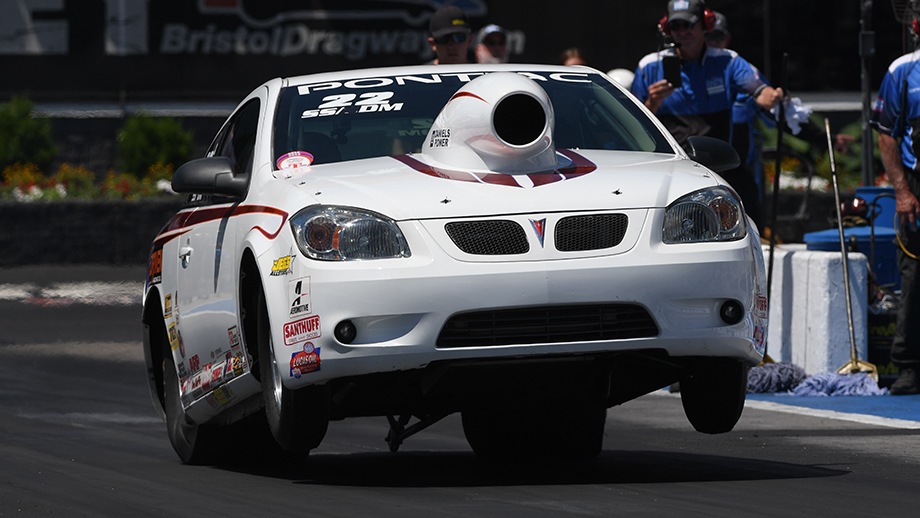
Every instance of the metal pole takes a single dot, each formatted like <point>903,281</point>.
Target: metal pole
<point>866,52</point>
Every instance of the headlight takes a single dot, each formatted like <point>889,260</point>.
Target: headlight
<point>713,214</point>
<point>346,234</point>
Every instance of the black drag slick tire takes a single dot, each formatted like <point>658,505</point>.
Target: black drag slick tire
<point>297,419</point>
<point>195,444</point>
<point>712,391</point>
<point>246,441</point>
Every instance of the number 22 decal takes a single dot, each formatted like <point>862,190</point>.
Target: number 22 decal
<point>367,102</point>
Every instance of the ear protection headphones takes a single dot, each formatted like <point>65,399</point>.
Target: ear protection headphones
<point>709,21</point>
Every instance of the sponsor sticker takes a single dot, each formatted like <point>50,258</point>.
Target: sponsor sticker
<point>173,337</point>
<point>220,397</point>
<point>440,138</point>
<point>302,330</point>
<point>233,335</point>
<point>282,266</point>
<point>299,295</point>
<point>217,374</point>
<point>167,305</point>
<point>294,159</point>
<point>305,361</point>
<point>760,306</point>
<point>237,364</point>
<point>155,270</point>
<point>205,377</point>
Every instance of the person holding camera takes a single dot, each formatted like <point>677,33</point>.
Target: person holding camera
<point>691,87</point>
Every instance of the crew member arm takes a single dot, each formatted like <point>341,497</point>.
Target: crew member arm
<point>906,203</point>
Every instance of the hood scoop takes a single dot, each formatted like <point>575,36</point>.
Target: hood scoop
<point>498,123</point>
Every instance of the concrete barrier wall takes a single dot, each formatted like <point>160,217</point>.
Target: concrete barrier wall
<point>809,326</point>
<point>82,232</point>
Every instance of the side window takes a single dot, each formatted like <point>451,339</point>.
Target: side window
<point>238,138</point>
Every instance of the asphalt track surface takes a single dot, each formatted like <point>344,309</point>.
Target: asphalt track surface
<point>79,437</point>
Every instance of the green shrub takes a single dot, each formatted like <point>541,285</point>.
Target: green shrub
<point>24,138</point>
<point>145,141</point>
<point>78,181</point>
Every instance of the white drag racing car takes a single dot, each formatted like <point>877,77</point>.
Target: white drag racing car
<point>522,244</point>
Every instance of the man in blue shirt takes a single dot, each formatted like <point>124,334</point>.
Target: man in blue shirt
<point>896,116</point>
<point>711,80</point>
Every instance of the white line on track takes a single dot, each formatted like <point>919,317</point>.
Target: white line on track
<point>831,414</point>
<point>68,293</point>
<point>889,422</point>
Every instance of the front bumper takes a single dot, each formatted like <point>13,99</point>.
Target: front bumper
<point>399,306</point>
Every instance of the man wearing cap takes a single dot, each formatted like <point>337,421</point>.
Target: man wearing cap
<point>711,80</point>
<point>492,44</point>
<point>450,36</point>
<point>896,116</point>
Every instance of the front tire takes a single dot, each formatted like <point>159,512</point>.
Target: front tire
<point>713,391</point>
<point>298,419</point>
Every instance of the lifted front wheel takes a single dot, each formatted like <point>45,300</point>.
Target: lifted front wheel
<point>712,391</point>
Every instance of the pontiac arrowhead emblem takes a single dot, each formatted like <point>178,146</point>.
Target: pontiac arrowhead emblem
<point>539,227</point>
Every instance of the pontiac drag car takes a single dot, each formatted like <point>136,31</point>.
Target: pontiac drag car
<point>525,245</point>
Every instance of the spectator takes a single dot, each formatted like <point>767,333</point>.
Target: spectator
<point>895,115</point>
<point>719,36</point>
<point>622,76</point>
<point>492,45</point>
<point>744,114</point>
<point>572,56</point>
<point>710,81</point>
<point>450,36</point>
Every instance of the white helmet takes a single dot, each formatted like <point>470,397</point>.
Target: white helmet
<point>622,76</point>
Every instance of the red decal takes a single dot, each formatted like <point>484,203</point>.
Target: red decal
<point>301,330</point>
<point>579,166</point>
<point>182,222</point>
<point>467,94</point>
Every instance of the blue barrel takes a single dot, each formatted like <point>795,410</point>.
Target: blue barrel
<point>883,257</point>
<point>881,204</point>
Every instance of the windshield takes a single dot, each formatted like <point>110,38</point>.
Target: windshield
<point>388,116</point>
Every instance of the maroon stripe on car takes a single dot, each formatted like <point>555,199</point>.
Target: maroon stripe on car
<point>579,166</point>
<point>186,219</point>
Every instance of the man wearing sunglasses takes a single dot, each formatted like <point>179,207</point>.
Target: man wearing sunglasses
<point>450,36</point>
<point>492,46</point>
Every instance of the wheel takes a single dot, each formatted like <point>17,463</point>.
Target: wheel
<point>712,391</point>
<point>214,445</point>
<point>195,444</point>
<point>559,431</point>
<point>297,418</point>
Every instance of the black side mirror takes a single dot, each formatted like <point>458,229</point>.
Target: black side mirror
<point>713,153</point>
<point>212,175</point>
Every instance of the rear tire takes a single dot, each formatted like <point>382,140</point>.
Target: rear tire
<point>712,392</point>
<point>245,441</point>
<point>298,419</point>
<point>559,432</point>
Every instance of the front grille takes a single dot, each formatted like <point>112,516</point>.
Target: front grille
<point>491,237</point>
<point>594,232</point>
<point>547,324</point>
